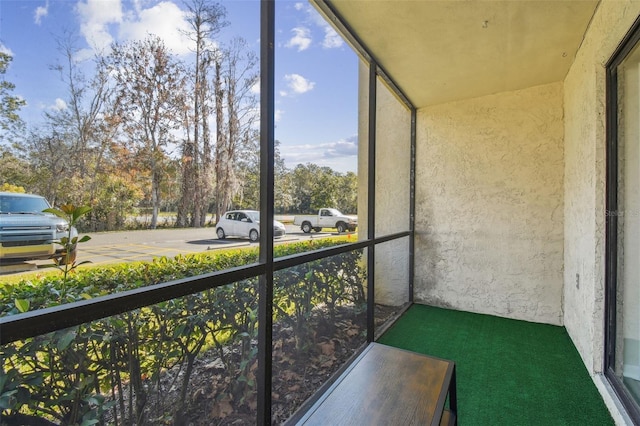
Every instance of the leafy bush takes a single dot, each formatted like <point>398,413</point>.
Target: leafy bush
<point>106,369</point>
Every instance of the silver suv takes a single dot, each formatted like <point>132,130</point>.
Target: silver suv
<point>27,233</point>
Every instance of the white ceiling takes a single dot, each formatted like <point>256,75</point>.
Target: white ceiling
<point>441,51</point>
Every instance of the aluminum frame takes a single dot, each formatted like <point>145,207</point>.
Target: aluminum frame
<point>611,222</point>
<point>31,324</point>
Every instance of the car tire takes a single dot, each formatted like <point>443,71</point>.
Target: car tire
<point>220,233</point>
<point>254,235</point>
<point>341,227</point>
<point>306,227</point>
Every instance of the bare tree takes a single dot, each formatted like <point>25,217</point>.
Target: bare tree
<point>48,152</point>
<point>148,104</point>
<point>206,20</point>
<point>89,131</point>
<point>235,79</point>
<point>9,104</point>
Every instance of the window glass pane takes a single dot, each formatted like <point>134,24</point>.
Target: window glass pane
<point>316,88</point>
<point>627,353</point>
<point>391,282</point>
<point>319,323</point>
<point>146,112</point>
<point>191,360</point>
<point>393,162</point>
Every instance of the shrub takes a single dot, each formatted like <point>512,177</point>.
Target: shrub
<point>84,374</point>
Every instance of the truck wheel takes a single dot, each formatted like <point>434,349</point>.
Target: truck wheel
<point>317,229</point>
<point>341,227</point>
<point>306,227</point>
<point>253,235</point>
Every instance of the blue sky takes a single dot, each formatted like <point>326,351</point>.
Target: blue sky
<point>316,72</point>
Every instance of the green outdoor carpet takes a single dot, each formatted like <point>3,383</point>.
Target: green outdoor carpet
<point>508,372</point>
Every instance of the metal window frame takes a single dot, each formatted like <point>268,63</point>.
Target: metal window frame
<point>611,222</point>
<point>34,323</point>
<point>264,374</point>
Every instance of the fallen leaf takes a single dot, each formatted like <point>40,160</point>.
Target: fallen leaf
<point>222,409</point>
<point>253,404</point>
<point>288,375</point>
<point>328,363</point>
<point>353,331</point>
<point>217,364</point>
<point>327,348</point>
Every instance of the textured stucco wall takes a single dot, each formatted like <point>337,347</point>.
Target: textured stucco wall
<point>393,163</point>
<point>489,212</point>
<point>393,167</point>
<point>393,160</point>
<point>584,186</point>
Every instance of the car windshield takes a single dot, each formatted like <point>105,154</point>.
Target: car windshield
<point>335,212</point>
<point>254,216</point>
<point>17,205</point>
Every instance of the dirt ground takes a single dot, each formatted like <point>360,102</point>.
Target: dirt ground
<point>298,371</point>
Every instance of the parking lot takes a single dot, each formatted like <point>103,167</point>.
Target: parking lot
<point>130,246</point>
<point>145,245</point>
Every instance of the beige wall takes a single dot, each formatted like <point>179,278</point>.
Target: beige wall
<point>489,212</point>
<point>510,193</point>
<point>585,179</point>
<point>510,198</point>
<point>393,163</point>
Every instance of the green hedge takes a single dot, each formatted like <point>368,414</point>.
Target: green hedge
<point>102,372</point>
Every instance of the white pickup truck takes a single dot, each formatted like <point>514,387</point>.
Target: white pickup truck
<point>326,218</point>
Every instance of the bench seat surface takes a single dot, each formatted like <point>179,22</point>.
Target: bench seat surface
<point>386,386</point>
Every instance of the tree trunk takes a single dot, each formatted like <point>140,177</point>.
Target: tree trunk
<point>155,199</point>
<point>220,141</point>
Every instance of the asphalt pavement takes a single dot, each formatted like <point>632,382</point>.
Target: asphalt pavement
<point>144,245</point>
<point>130,246</point>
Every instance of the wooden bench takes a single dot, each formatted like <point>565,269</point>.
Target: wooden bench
<point>388,386</point>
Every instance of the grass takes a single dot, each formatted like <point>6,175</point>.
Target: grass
<point>508,372</point>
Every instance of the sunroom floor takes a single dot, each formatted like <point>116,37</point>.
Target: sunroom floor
<point>509,372</point>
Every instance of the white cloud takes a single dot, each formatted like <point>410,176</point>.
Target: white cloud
<point>41,12</point>
<point>331,39</point>
<point>341,148</point>
<point>59,105</point>
<point>301,38</point>
<point>95,18</point>
<point>102,20</point>
<point>308,152</point>
<point>165,19</point>
<point>84,54</point>
<point>341,155</point>
<point>298,84</point>
<point>298,6</point>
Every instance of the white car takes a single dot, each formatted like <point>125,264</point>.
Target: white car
<point>246,224</point>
